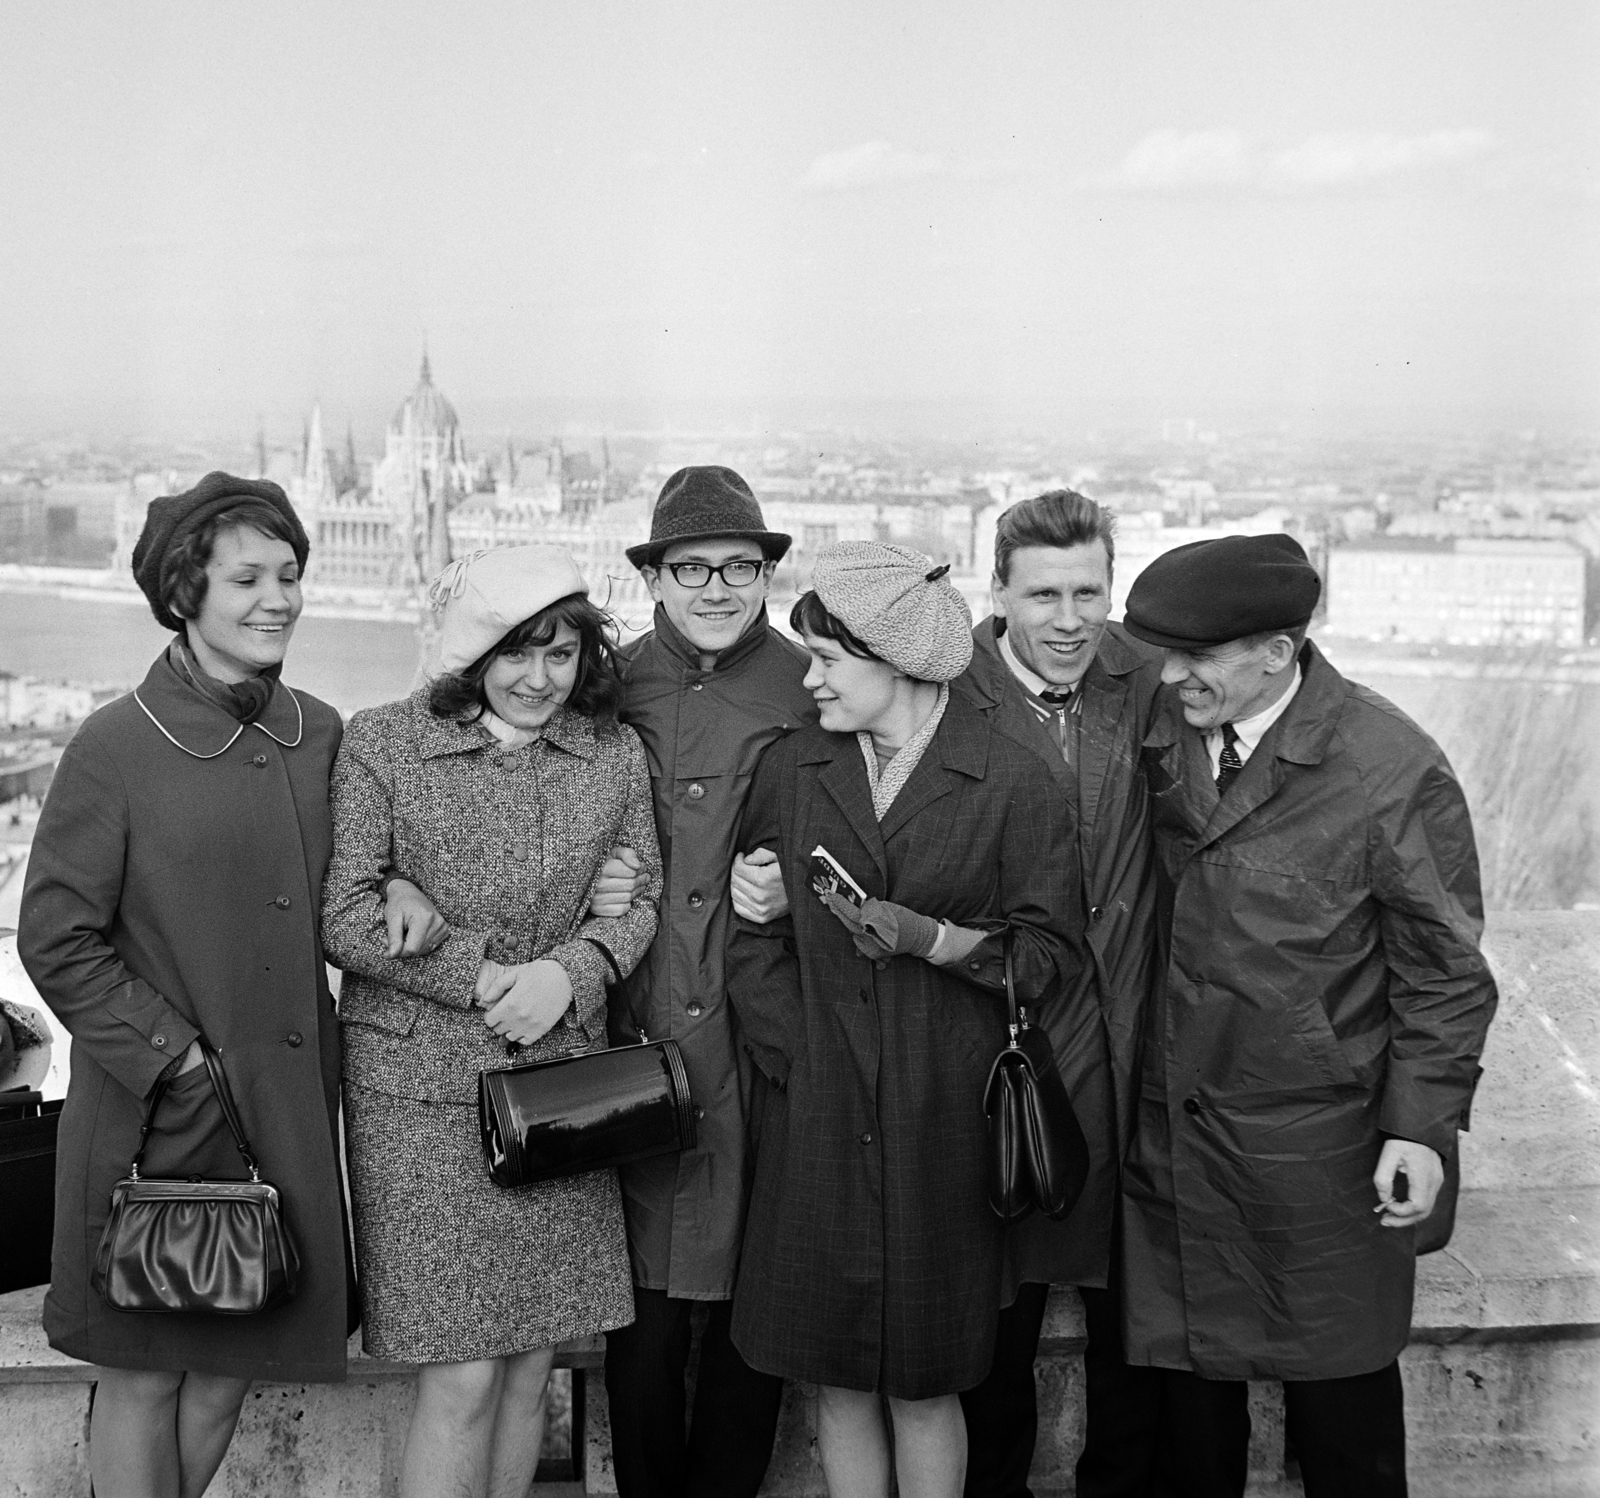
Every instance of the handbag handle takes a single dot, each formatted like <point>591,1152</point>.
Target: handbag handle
<point>1016,1021</point>
<point>230,1112</point>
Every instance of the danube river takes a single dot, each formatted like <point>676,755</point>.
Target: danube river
<point>349,662</point>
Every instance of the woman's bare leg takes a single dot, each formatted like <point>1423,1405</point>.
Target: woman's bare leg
<point>519,1423</point>
<point>208,1413</point>
<point>930,1446</point>
<point>452,1427</point>
<point>133,1434</point>
<point>853,1442</point>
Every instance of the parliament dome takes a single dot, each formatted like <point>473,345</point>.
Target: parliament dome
<point>431,413</point>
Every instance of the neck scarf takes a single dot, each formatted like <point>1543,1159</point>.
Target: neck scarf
<point>887,785</point>
<point>245,700</point>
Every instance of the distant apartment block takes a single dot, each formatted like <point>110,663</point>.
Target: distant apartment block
<point>1458,591</point>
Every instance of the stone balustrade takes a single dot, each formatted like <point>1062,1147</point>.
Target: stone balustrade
<point>1502,1375</point>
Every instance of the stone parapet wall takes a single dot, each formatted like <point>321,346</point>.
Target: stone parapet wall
<point>1502,1375</point>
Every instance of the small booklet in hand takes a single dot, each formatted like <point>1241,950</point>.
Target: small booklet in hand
<point>829,877</point>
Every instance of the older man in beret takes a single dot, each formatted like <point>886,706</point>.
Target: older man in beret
<point>1312,1051</point>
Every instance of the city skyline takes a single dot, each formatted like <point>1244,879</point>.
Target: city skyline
<point>1038,217</point>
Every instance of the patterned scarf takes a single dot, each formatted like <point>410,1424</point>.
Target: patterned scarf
<point>245,700</point>
<point>887,785</point>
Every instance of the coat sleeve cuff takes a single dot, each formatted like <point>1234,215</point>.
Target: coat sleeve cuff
<point>588,972</point>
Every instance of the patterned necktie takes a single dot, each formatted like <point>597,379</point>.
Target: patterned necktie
<point>1228,762</point>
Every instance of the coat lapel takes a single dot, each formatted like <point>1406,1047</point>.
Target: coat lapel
<point>844,778</point>
<point>1103,698</point>
<point>960,747</point>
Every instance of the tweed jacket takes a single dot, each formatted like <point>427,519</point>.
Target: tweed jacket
<point>507,844</point>
<point>172,891</point>
<point>1324,990</point>
<point>1096,1045</point>
<point>872,1257</point>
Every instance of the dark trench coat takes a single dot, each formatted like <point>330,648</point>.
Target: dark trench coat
<point>1096,1043</point>
<point>169,895</point>
<point>1325,990</point>
<point>703,731</point>
<point>872,1257</point>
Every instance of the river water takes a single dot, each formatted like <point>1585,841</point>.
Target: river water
<point>351,663</point>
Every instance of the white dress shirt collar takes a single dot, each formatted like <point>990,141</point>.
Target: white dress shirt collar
<point>1250,731</point>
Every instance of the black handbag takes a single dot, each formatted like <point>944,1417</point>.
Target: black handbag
<point>196,1245</point>
<point>1038,1156</point>
<point>575,1114</point>
<point>27,1186</point>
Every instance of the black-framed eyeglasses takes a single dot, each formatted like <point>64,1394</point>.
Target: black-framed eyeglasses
<point>697,574</point>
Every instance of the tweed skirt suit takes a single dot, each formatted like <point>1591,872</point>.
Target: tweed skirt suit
<point>506,842</point>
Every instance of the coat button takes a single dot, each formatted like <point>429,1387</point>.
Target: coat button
<point>519,851</point>
<point>867,1137</point>
<point>975,966</point>
<point>699,686</point>
<point>1095,912</point>
<point>694,1010</point>
<point>282,902</point>
<point>293,1038</point>
<point>159,1042</point>
<point>259,761</point>
<point>1191,1106</point>
<point>696,900</point>
<point>696,791</point>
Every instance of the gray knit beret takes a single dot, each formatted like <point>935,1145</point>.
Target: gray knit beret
<point>895,601</point>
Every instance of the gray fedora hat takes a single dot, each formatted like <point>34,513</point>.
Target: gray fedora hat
<point>699,503</point>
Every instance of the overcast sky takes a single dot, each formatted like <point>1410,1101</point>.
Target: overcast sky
<point>1045,214</point>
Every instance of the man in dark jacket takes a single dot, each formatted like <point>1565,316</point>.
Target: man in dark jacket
<point>708,689</point>
<point>1054,674</point>
<point>1312,1049</point>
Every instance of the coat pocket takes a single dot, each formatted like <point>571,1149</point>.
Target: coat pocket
<point>394,1014</point>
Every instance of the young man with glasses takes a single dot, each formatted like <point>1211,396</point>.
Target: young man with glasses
<point>708,689</point>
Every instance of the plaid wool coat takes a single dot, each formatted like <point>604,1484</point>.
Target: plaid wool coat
<point>871,1256</point>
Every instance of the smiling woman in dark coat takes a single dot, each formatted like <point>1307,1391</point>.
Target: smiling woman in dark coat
<point>172,892</point>
<point>871,1261</point>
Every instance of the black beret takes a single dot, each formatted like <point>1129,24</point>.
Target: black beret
<point>1209,592</point>
<point>698,503</point>
<point>173,516</point>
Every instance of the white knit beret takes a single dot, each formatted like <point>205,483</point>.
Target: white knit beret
<point>486,595</point>
<point>895,601</point>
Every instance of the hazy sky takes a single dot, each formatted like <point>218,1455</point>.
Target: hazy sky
<point>1042,213</point>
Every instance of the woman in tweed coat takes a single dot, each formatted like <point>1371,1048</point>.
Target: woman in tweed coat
<point>498,789</point>
<point>871,1258</point>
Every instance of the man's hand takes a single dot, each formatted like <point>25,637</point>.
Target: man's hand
<point>1423,1171</point>
<point>540,994</point>
<point>415,927</point>
<point>619,880</point>
<point>757,887</point>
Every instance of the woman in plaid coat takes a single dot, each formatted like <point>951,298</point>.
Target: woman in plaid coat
<point>871,1260</point>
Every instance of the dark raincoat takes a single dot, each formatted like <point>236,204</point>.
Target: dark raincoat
<point>1325,990</point>
<point>872,1258</point>
<point>1097,1058</point>
<point>703,731</point>
<point>173,889</point>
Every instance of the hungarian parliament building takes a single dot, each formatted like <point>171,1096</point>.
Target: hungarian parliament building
<point>427,500</point>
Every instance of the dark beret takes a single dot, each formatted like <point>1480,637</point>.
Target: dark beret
<point>698,503</point>
<point>173,516</point>
<point>1209,592</point>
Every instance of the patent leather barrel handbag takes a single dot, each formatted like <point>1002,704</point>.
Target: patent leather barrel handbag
<point>581,1113</point>
<point>1038,1157</point>
<point>196,1245</point>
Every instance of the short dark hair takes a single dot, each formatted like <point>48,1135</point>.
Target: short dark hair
<point>183,569</point>
<point>597,692</point>
<point>810,616</point>
<point>1059,517</point>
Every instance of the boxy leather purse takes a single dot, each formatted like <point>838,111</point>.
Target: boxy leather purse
<point>1038,1157</point>
<point>575,1114</point>
<point>196,1245</point>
